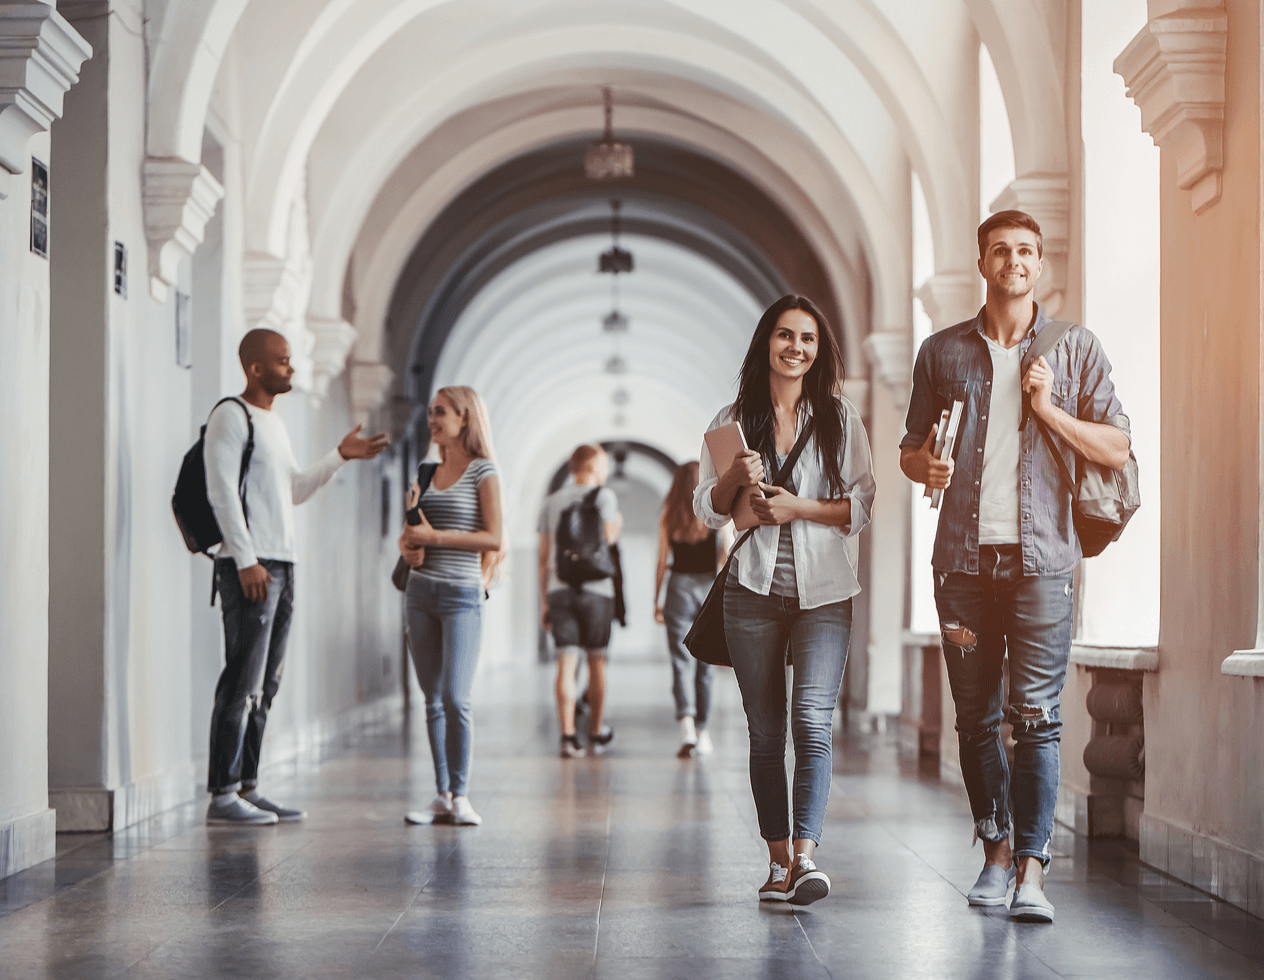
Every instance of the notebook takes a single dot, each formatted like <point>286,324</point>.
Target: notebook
<point>724,444</point>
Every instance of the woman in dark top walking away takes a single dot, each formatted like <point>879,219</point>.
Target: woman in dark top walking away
<point>792,582</point>
<point>453,552</point>
<point>696,553</point>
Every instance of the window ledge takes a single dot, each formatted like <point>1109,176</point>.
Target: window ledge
<point>1115,658</point>
<point>1244,663</point>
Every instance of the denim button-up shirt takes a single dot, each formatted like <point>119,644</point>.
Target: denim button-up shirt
<point>955,365</point>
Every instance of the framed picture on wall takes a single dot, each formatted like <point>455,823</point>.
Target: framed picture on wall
<point>39,208</point>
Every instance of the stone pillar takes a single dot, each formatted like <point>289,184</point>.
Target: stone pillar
<point>118,620</point>
<point>950,297</point>
<point>890,357</point>
<point>40,57</point>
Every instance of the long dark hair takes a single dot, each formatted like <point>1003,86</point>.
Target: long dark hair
<point>678,518</point>
<point>821,387</point>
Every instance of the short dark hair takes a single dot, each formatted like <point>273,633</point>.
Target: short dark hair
<point>1010,219</point>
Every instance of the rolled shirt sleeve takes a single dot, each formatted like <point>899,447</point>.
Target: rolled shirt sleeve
<point>708,478</point>
<point>226,434</point>
<point>856,469</point>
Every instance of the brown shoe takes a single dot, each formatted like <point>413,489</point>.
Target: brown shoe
<point>774,889</point>
<point>806,883</point>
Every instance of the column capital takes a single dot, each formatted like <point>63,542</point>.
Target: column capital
<point>180,198</point>
<point>333,339</point>
<point>890,354</point>
<point>950,297</point>
<point>1175,72</point>
<point>1047,198</point>
<point>40,57</point>
<point>370,381</point>
<point>270,285</point>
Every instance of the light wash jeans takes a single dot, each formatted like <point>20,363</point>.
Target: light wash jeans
<point>983,617</point>
<point>759,629</point>
<point>691,679</point>
<point>444,625</point>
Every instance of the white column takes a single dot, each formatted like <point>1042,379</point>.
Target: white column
<point>40,57</point>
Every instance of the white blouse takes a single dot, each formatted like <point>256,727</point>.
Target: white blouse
<point>826,559</point>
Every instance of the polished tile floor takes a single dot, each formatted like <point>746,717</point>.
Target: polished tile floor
<point>628,866</point>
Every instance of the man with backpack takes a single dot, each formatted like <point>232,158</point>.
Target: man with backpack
<point>252,496</point>
<point>1006,548</point>
<point>578,525</point>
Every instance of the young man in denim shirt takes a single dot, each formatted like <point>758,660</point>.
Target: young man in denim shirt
<point>1006,547</point>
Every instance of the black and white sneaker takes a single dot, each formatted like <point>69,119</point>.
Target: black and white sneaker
<point>571,749</point>
<point>599,742</point>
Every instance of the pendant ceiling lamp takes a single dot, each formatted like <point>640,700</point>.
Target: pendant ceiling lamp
<point>608,160</point>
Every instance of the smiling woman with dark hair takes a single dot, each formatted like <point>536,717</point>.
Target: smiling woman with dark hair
<point>791,585</point>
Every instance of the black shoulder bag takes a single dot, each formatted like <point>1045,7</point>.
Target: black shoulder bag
<point>425,473</point>
<point>706,639</point>
<point>1102,500</point>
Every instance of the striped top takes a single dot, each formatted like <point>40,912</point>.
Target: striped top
<point>456,509</point>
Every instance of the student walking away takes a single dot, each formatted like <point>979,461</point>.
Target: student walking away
<point>254,568</point>
<point>1006,547</point>
<point>452,539</point>
<point>578,524</point>
<point>693,553</point>
<point>790,586</point>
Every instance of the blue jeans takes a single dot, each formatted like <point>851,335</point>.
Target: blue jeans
<point>982,617</point>
<point>691,679</point>
<point>444,623</point>
<point>759,629</point>
<point>254,652</point>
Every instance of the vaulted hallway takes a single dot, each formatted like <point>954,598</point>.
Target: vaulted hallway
<point>632,865</point>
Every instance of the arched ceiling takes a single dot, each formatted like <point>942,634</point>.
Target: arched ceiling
<point>543,197</point>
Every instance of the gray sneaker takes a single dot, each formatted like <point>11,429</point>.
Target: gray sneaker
<point>238,812</point>
<point>1030,905</point>
<point>283,813</point>
<point>992,886</point>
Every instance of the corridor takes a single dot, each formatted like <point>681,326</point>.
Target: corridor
<point>628,866</point>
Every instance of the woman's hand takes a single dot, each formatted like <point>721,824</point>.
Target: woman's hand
<point>419,535</point>
<point>658,616</point>
<point>414,495</point>
<point>779,508</point>
<point>746,470</point>
<point>414,554</point>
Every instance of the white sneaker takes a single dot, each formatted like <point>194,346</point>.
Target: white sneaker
<point>688,733</point>
<point>463,814</point>
<point>239,812</point>
<point>439,811</point>
<point>704,746</point>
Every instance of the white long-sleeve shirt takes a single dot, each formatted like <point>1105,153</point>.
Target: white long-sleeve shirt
<point>274,483</point>
<point>826,559</point>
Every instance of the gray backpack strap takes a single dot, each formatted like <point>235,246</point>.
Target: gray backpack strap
<point>1049,337</point>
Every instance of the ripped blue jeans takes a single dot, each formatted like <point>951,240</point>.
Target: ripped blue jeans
<point>982,618</point>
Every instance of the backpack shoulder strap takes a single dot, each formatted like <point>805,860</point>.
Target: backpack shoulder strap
<point>1048,338</point>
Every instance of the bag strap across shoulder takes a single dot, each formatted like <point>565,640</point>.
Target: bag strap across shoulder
<point>425,473</point>
<point>1049,337</point>
<point>782,476</point>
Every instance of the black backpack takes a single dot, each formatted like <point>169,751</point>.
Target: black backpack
<point>582,552</point>
<point>194,515</point>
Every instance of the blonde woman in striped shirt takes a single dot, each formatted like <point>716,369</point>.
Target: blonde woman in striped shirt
<point>454,552</point>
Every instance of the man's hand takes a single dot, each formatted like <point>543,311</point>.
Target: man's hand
<point>659,616</point>
<point>254,582</point>
<point>355,447</point>
<point>922,466</point>
<point>1038,384</point>
<point>781,508</point>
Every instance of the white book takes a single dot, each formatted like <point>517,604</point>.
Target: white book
<point>946,443</point>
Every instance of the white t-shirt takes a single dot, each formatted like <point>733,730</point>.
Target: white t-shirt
<point>551,513</point>
<point>274,484</point>
<point>998,492</point>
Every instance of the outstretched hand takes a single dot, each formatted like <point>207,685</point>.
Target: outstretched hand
<point>355,446</point>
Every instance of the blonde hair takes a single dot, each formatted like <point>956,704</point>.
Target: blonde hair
<point>476,439</point>
<point>678,518</point>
